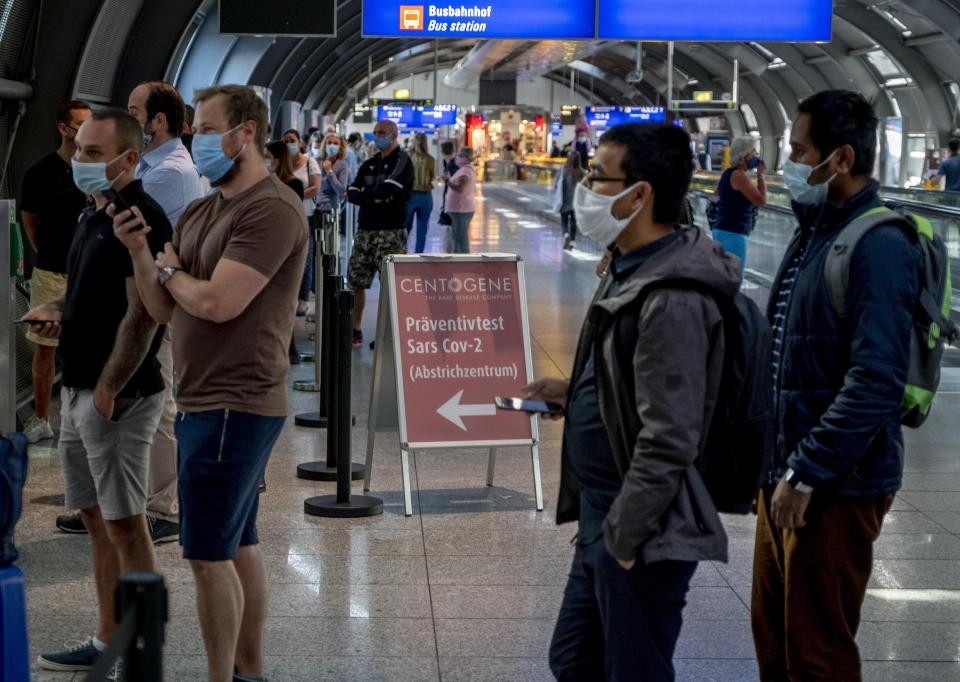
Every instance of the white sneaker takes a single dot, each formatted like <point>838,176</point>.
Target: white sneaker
<point>37,429</point>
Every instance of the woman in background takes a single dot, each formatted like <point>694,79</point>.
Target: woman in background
<point>460,203</point>
<point>570,176</point>
<point>307,170</point>
<point>420,205</point>
<point>738,198</point>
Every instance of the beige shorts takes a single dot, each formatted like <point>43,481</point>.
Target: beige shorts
<point>45,287</point>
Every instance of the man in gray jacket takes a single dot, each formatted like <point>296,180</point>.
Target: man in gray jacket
<point>638,408</point>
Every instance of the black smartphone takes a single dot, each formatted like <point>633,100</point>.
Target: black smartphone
<point>34,321</point>
<point>113,197</point>
<point>534,406</point>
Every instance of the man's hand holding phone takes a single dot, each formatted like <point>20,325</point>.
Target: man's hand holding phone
<point>129,227</point>
<point>44,320</point>
<point>551,391</point>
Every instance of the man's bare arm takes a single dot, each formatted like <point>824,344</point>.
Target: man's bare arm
<point>131,345</point>
<point>31,227</point>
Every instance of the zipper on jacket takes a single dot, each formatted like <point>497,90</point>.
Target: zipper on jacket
<point>223,434</point>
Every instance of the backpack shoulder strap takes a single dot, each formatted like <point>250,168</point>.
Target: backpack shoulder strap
<point>836,269</point>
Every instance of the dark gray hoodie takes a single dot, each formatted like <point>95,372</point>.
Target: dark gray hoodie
<point>658,421</point>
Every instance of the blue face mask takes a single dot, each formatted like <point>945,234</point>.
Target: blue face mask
<point>382,142</point>
<point>294,148</point>
<point>208,154</point>
<point>333,150</point>
<point>753,163</point>
<point>91,177</point>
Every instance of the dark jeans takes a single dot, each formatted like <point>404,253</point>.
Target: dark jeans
<point>307,283</point>
<point>619,625</point>
<point>461,231</point>
<point>420,206</point>
<point>569,221</point>
<point>809,585</point>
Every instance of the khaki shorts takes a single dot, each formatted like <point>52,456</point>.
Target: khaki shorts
<point>369,250</point>
<point>45,287</point>
<point>106,462</point>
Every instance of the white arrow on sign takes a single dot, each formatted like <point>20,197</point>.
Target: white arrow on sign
<point>453,411</point>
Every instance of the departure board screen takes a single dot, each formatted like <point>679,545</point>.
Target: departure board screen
<point>428,117</point>
<point>607,117</point>
<point>716,20</point>
<point>278,17</point>
<point>570,19</point>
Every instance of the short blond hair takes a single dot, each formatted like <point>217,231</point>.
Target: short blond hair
<point>241,104</point>
<point>740,148</point>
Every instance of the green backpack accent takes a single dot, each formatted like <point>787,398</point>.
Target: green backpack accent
<point>932,327</point>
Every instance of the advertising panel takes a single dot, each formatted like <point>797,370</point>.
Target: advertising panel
<point>716,20</point>
<point>572,19</point>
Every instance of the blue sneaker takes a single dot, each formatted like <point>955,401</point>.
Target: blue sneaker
<point>77,656</point>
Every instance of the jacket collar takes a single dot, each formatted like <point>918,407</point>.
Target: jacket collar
<point>828,216</point>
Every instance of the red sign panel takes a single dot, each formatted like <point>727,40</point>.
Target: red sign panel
<point>460,344</point>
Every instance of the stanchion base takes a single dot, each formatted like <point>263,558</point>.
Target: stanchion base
<point>307,386</point>
<point>319,471</point>
<point>312,420</point>
<point>327,505</point>
<point>307,357</point>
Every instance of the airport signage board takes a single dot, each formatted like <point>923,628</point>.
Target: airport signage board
<point>461,339</point>
<point>607,117</point>
<point>518,19</point>
<point>278,18</point>
<point>716,20</point>
<point>429,116</point>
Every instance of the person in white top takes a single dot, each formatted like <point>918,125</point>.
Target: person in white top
<point>307,170</point>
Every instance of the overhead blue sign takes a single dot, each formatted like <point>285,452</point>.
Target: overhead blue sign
<point>571,19</point>
<point>715,20</point>
<point>427,117</point>
<point>607,117</point>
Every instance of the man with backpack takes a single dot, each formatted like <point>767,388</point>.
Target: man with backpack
<point>645,384</point>
<point>842,309</point>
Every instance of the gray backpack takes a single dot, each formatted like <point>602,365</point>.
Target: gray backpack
<point>932,327</point>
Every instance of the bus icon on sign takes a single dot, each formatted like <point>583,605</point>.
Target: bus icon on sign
<point>411,17</point>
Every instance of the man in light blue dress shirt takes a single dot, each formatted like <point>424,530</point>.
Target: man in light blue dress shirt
<point>172,179</point>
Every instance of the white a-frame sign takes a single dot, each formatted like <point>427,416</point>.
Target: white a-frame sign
<point>452,335</point>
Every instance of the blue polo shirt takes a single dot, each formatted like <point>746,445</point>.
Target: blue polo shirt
<point>951,170</point>
<point>171,178</point>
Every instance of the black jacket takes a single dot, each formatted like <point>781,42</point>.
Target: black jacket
<point>841,381</point>
<point>382,189</point>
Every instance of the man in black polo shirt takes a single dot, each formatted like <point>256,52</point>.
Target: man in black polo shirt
<point>113,390</point>
<point>50,206</point>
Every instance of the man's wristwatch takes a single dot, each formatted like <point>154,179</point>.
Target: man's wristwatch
<point>793,480</point>
<point>166,273</point>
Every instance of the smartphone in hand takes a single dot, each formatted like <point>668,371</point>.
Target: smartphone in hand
<point>531,406</point>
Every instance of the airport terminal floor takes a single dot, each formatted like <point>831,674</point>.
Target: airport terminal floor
<point>469,587</point>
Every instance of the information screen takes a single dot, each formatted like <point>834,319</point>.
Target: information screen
<point>716,20</point>
<point>278,17</point>
<point>607,117</point>
<point>570,19</point>
<point>430,116</point>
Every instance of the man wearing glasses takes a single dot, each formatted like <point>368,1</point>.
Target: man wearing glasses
<point>640,399</point>
<point>50,206</point>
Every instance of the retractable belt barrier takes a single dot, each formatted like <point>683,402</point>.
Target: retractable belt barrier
<point>342,504</point>
<point>141,602</point>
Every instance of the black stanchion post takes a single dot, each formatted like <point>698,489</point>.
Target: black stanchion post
<point>326,297</point>
<point>342,504</point>
<point>320,470</point>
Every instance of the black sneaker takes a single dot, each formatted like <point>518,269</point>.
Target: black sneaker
<point>163,531</point>
<point>71,523</point>
<point>77,656</point>
<point>357,337</point>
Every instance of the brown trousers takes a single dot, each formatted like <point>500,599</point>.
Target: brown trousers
<point>808,588</point>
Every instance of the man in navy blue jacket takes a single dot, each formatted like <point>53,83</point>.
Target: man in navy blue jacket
<point>838,384</point>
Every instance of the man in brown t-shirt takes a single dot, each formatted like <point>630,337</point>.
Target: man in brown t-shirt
<point>229,282</point>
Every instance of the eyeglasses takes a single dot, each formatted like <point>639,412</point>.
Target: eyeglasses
<point>590,179</point>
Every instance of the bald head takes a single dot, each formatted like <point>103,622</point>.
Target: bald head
<point>385,135</point>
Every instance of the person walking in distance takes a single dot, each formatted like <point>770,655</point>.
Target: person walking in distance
<point>112,393</point>
<point>569,177</point>
<point>421,199</point>
<point>50,207</point>
<point>461,201</point>
<point>228,281</point>
<point>381,190</point>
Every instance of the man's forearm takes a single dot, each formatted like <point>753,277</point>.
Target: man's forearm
<point>130,347</point>
<point>156,299</point>
<point>196,296</point>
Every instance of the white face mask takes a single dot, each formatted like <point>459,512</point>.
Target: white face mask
<point>594,217</point>
<point>796,176</point>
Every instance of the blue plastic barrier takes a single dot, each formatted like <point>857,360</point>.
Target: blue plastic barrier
<point>14,650</point>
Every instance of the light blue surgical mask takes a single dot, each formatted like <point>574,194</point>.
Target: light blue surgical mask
<point>208,154</point>
<point>90,177</point>
<point>333,149</point>
<point>796,176</point>
<point>382,142</point>
<point>294,148</point>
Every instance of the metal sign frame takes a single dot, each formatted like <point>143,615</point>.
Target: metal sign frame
<point>388,377</point>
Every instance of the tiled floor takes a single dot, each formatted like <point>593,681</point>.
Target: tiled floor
<point>469,587</point>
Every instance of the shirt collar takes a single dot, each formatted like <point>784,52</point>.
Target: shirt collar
<point>625,264</point>
<point>152,158</point>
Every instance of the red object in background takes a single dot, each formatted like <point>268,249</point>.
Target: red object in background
<point>459,326</point>
<point>474,121</point>
<point>539,120</point>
